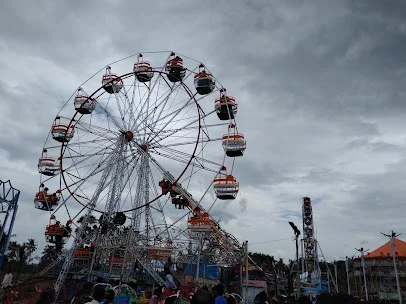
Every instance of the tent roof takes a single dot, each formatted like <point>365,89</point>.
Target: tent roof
<point>385,250</point>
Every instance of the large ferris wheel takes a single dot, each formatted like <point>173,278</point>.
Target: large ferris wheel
<point>124,155</point>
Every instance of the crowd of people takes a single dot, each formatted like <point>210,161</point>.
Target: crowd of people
<point>170,294</point>
<point>324,298</point>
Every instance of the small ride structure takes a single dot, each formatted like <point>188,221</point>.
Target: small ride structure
<point>309,242</point>
<point>8,208</point>
<point>129,155</point>
<point>311,281</point>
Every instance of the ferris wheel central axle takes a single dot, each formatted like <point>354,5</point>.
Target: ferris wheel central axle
<point>129,135</point>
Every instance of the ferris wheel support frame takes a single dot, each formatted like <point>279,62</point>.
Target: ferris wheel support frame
<point>80,240</point>
<point>9,205</point>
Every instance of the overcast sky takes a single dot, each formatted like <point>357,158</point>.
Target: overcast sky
<point>321,91</point>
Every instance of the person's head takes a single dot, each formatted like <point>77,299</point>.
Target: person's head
<point>218,290</point>
<point>98,293</point>
<point>304,300</point>
<point>109,295</point>
<point>99,280</point>
<point>231,300</point>
<point>202,296</point>
<point>87,287</point>
<point>47,296</point>
<point>323,298</point>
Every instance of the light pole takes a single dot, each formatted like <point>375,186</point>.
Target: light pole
<point>363,270</point>
<point>392,247</point>
<point>336,278</point>
<point>348,277</point>
<point>297,234</point>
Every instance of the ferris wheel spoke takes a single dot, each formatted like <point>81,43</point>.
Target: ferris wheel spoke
<point>197,100</point>
<point>186,156</point>
<point>147,125</point>
<point>175,86</point>
<point>113,119</point>
<point>101,132</point>
<point>166,99</point>
<point>186,143</point>
<point>79,181</point>
<point>184,161</point>
<point>102,152</point>
<point>186,126</point>
<point>176,121</point>
<point>169,117</point>
<point>145,104</point>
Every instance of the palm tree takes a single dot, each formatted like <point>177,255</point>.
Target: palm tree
<point>30,248</point>
<point>50,253</point>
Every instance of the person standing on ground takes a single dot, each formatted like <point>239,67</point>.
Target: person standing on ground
<point>219,294</point>
<point>8,278</point>
<point>169,269</point>
<point>6,284</point>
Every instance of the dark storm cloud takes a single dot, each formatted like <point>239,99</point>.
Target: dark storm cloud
<point>320,88</point>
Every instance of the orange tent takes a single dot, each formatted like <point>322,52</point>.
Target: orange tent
<point>385,251</point>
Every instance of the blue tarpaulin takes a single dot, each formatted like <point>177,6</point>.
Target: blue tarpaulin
<point>209,270</point>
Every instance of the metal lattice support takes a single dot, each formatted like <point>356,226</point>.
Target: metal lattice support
<point>8,206</point>
<point>309,243</point>
<point>80,240</point>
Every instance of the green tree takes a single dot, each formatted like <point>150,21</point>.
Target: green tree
<point>21,255</point>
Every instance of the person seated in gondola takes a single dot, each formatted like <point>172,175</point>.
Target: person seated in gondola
<point>176,201</point>
<point>173,192</point>
<point>175,196</point>
<point>67,231</point>
<point>182,202</point>
<point>165,185</point>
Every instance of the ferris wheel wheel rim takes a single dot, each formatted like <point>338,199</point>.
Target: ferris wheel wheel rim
<point>125,76</point>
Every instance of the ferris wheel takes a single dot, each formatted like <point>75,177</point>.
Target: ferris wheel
<point>128,149</point>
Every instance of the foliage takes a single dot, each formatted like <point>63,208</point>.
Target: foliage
<point>22,253</point>
<point>268,264</point>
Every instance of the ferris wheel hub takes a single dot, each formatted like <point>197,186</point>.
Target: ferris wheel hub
<point>144,147</point>
<point>129,135</point>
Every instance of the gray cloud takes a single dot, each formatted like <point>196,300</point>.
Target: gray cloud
<point>320,88</point>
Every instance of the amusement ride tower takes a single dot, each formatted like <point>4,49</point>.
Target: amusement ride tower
<point>310,256</point>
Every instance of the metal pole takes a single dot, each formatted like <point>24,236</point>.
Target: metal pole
<point>9,232</point>
<point>246,273</point>
<point>302,257</point>
<point>298,267</point>
<point>335,273</point>
<point>392,246</point>
<point>241,278</point>
<point>198,258</point>
<point>363,270</point>
<point>275,278</point>
<point>348,277</point>
<point>328,283</point>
